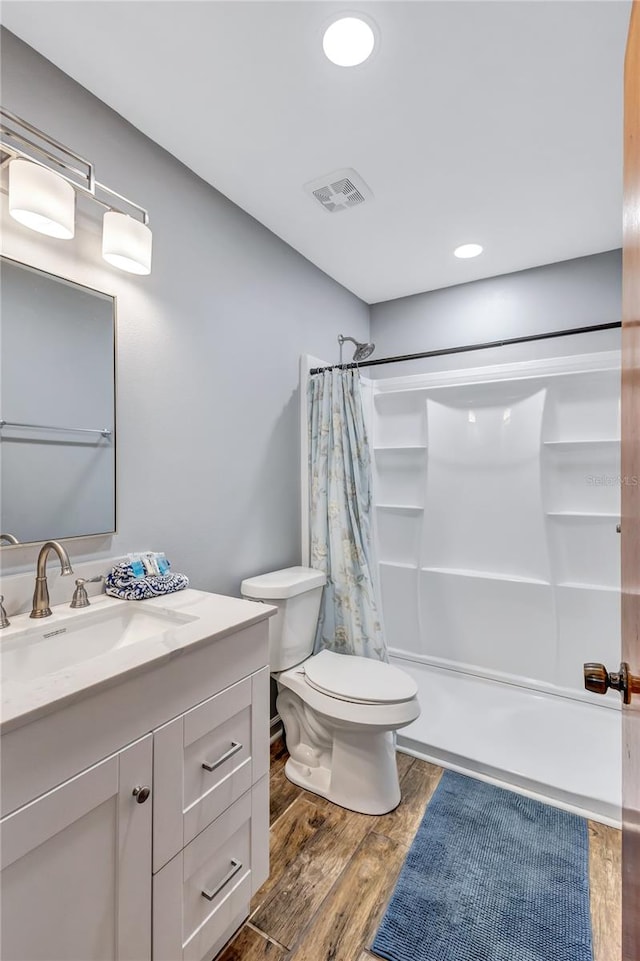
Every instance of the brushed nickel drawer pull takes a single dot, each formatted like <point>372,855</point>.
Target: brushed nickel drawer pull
<point>211,766</point>
<point>235,867</point>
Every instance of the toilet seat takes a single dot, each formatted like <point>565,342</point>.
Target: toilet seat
<point>348,714</point>
<point>358,680</point>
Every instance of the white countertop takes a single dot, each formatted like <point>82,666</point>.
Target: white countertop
<point>214,616</point>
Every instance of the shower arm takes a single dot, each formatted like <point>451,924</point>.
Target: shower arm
<point>341,340</point>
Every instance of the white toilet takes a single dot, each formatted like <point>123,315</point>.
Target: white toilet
<point>339,711</point>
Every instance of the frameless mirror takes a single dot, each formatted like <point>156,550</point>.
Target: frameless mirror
<point>57,407</point>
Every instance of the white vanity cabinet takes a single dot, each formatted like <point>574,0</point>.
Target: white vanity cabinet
<point>135,822</point>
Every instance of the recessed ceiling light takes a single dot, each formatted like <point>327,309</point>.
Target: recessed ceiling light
<point>348,41</point>
<point>468,250</point>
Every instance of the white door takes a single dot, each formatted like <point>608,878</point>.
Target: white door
<point>76,867</point>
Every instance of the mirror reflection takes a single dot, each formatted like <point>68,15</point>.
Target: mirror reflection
<point>57,407</point>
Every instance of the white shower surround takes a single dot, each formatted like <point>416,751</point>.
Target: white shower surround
<point>495,492</point>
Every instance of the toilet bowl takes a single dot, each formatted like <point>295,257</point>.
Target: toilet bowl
<point>339,711</point>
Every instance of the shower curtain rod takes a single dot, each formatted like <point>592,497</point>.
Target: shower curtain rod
<point>463,350</point>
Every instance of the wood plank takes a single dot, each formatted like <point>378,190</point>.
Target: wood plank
<point>278,754</point>
<point>418,786</point>
<point>605,855</point>
<point>327,806</point>
<point>250,945</point>
<point>349,918</point>
<point>405,762</point>
<point>288,837</point>
<point>630,541</point>
<point>282,793</point>
<point>310,876</point>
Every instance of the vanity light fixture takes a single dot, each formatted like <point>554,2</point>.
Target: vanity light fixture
<point>468,250</point>
<point>348,41</point>
<point>45,179</point>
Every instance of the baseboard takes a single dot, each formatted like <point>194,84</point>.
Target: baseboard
<point>276,728</point>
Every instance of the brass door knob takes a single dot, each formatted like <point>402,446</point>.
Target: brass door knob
<point>596,678</point>
<point>599,680</point>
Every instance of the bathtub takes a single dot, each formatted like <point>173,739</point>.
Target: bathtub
<point>563,751</point>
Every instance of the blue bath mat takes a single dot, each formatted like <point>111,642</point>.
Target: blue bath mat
<point>490,876</point>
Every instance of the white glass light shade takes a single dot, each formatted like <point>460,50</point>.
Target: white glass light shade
<point>348,41</point>
<point>41,200</point>
<point>126,243</point>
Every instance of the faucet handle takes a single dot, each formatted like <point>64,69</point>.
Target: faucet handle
<point>80,597</point>
<point>4,620</point>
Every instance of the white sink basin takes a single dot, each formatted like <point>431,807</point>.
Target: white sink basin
<point>41,648</point>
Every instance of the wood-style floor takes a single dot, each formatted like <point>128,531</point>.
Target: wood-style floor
<point>333,872</point>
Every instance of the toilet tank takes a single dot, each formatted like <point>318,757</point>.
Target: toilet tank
<point>296,592</point>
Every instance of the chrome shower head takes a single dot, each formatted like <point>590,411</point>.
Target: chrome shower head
<point>361,352</point>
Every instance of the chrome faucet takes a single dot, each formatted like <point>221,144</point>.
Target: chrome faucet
<point>41,594</point>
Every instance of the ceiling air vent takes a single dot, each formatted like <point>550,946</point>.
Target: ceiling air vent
<point>340,190</point>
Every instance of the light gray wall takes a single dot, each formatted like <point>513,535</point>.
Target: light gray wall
<point>574,293</point>
<point>47,324</point>
<point>208,345</point>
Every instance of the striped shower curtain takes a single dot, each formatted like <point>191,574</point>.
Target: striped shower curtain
<point>340,502</point>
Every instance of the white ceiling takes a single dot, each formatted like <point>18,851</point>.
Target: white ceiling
<point>493,122</point>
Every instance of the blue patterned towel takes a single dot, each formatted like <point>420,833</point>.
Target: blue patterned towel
<point>123,583</point>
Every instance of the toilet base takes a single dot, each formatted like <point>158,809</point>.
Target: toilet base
<point>363,776</point>
<point>342,750</point>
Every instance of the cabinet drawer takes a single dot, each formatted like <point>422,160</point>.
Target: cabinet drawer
<point>205,760</point>
<point>202,895</point>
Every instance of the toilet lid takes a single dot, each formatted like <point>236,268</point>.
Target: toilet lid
<point>358,679</point>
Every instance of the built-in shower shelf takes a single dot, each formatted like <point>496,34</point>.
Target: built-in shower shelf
<point>409,508</point>
<point>577,444</point>
<point>485,575</point>
<point>589,587</point>
<point>401,564</point>
<point>586,515</point>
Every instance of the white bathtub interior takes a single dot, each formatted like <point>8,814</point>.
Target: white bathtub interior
<point>538,743</point>
<point>497,497</point>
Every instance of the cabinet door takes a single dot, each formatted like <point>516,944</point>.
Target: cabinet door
<point>76,867</point>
